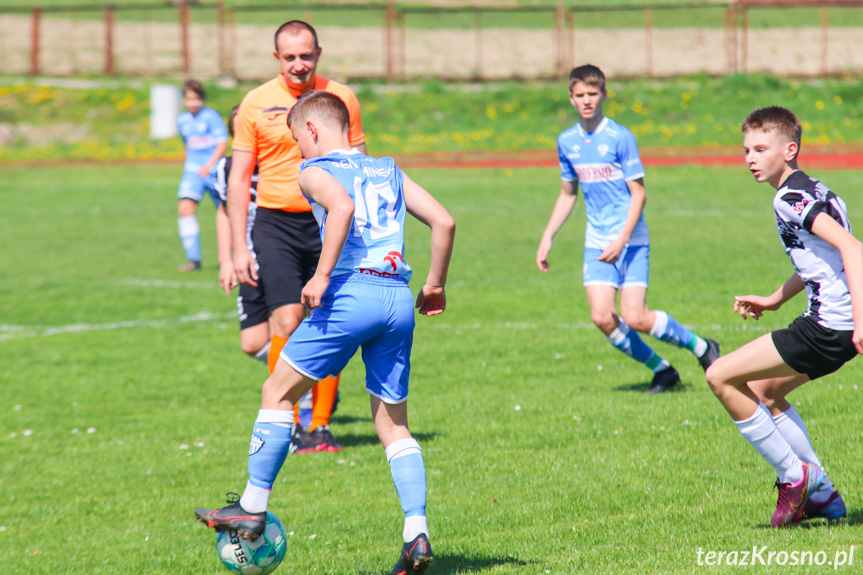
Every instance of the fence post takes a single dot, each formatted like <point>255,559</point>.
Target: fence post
<point>389,19</point>
<point>648,31</point>
<point>745,25</point>
<point>730,44</point>
<point>570,23</point>
<point>559,29</point>
<point>34,40</point>
<point>184,35</point>
<point>824,38</point>
<point>220,36</point>
<point>478,20</point>
<point>109,40</point>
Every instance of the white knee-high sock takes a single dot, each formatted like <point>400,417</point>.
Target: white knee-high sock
<point>762,434</point>
<point>791,426</point>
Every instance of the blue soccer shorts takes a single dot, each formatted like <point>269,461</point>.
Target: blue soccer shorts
<point>631,269</point>
<point>357,310</point>
<point>193,187</point>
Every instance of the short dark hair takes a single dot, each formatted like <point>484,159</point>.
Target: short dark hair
<point>589,75</point>
<point>294,27</point>
<point>231,119</point>
<point>196,87</point>
<point>324,106</point>
<point>775,119</point>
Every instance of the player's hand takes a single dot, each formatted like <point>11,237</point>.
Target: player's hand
<point>612,251</point>
<point>753,306</point>
<point>245,268</point>
<point>857,338</point>
<point>431,300</point>
<point>313,292</point>
<point>542,254</point>
<point>227,276</point>
<point>204,172</point>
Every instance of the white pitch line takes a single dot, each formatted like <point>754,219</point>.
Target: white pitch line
<point>22,331</point>
<point>587,326</point>
<point>167,284</point>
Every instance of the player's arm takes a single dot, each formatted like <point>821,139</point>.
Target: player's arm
<point>638,199</point>
<point>239,182</point>
<point>218,153</point>
<point>562,209</point>
<point>851,249</point>
<point>754,306</point>
<point>431,299</point>
<point>227,275</point>
<point>325,190</point>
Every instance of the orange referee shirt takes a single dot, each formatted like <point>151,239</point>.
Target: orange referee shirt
<point>261,128</point>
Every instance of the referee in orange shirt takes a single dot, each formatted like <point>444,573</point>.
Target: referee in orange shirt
<point>285,235</point>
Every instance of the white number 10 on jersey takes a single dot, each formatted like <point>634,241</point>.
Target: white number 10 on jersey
<point>367,212</point>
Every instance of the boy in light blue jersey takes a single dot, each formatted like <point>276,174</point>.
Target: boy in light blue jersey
<point>359,297</point>
<point>205,137</point>
<point>602,156</point>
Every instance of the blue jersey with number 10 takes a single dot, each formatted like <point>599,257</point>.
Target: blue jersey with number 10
<point>375,243</point>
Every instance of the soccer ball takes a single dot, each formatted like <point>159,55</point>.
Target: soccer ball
<point>258,557</point>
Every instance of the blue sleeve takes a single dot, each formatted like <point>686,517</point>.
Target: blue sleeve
<point>627,153</point>
<point>567,171</point>
<point>217,126</point>
<point>180,128</point>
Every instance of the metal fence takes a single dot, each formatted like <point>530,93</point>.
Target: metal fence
<point>402,41</point>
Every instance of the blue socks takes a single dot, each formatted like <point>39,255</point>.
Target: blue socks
<point>629,342</point>
<point>190,235</point>
<point>668,330</point>
<point>271,441</point>
<point>409,477</point>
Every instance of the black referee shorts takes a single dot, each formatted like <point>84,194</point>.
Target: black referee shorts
<point>287,246</point>
<point>813,349</point>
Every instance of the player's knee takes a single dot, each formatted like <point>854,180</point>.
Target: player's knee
<point>715,379</point>
<point>637,321</point>
<point>251,347</point>
<point>603,320</point>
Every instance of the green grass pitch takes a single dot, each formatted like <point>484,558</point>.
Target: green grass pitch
<point>125,401</point>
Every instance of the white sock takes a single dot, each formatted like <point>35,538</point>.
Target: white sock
<point>414,525</point>
<point>762,434</point>
<point>700,346</point>
<point>791,426</point>
<point>263,354</point>
<point>255,499</point>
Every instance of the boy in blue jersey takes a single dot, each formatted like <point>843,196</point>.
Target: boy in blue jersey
<point>753,381</point>
<point>602,156</point>
<point>359,296</point>
<point>206,139</point>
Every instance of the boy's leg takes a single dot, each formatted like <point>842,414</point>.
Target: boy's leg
<point>255,341</point>
<point>773,393</point>
<point>271,442</point>
<point>408,473</point>
<point>728,377</point>
<point>323,399</point>
<point>190,233</point>
<point>604,316</point>
<point>661,325</point>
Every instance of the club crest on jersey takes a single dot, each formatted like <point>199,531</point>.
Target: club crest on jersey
<point>256,445</point>
<point>602,149</point>
<point>800,206</point>
<point>392,257</point>
<point>576,151</point>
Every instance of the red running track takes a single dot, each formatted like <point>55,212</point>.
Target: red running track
<point>837,157</point>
